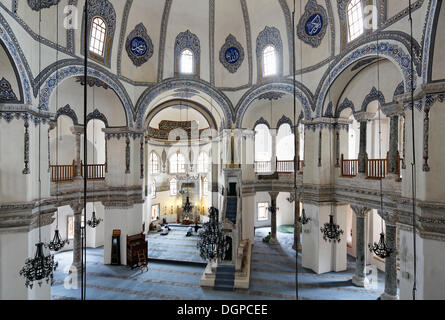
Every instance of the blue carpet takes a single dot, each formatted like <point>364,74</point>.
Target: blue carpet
<point>272,275</point>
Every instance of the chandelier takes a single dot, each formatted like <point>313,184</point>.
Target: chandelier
<point>331,231</point>
<point>57,243</point>
<point>303,219</point>
<point>211,243</point>
<point>380,249</point>
<point>187,206</point>
<point>39,268</point>
<point>94,222</point>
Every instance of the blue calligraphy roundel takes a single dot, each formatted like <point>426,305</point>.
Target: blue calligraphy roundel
<point>314,24</point>
<point>232,55</point>
<point>138,46</point>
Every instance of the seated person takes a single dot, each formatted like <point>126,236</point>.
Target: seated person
<point>189,232</point>
<point>165,230</point>
<point>267,238</point>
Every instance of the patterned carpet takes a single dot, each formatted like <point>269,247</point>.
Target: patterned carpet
<point>175,246</point>
<point>272,276</point>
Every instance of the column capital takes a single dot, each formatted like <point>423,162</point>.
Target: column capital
<point>77,208</point>
<point>77,129</point>
<point>392,109</point>
<point>364,116</point>
<point>273,195</point>
<point>360,211</point>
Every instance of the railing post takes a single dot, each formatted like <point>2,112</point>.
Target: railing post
<point>74,169</point>
<point>342,162</point>
<point>366,164</point>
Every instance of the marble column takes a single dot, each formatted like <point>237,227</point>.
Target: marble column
<point>390,265</point>
<point>273,217</point>
<point>273,164</point>
<point>77,242</point>
<point>77,131</point>
<point>297,225</point>
<point>359,279</point>
<point>362,150</point>
<point>393,145</point>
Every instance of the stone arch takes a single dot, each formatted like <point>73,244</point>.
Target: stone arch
<point>66,69</point>
<point>192,86</point>
<point>67,111</point>
<point>261,121</point>
<point>196,106</point>
<point>285,120</point>
<point>389,48</point>
<point>284,86</point>
<point>18,61</point>
<point>97,115</point>
<point>374,95</point>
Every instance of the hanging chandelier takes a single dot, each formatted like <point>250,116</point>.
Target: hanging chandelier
<point>39,268</point>
<point>57,243</point>
<point>187,208</point>
<point>94,222</point>
<point>303,219</point>
<point>211,243</point>
<point>380,249</point>
<point>331,231</point>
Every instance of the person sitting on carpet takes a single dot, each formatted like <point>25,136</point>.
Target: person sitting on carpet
<point>165,230</point>
<point>189,232</point>
<point>267,238</point>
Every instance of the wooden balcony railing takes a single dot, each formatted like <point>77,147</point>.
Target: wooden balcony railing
<point>66,173</point>
<point>376,169</point>
<point>263,166</point>
<point>94,171</point>
<point>62,173</point>
<point>349,167</point>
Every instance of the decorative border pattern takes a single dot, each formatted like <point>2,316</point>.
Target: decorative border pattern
<point>231,42</point>
<point>38,5</point>
<point>347,104</point>
<point>391,51</point>
<point>163,36</point>
<point>373,96</point>
<point>261,121</point>
<point>284,86</point>
<point>312,8</point>
<point>6,92</point>
<point>248,39</point>
<point>430,100</point>
<point>21,65</point>
<point>97,115</point>
<point>71,70</point>
<point>67,111</point>
<point>124,24</point>
<point>139,31</point>
<point>150,95</point>
<point>285,120</point>
<point>272,95</point>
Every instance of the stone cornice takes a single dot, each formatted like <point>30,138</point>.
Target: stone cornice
<point>25,216</point>
<point>25,108</point>
<point>364,116</point>
<point>392,109</point>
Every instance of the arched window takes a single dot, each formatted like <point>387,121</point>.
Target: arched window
<point>177,163</point>
<point>173,187</point>
<point>355,19</point>
<point>154,163</point>
<point>263,149</point>
<point>186,62</point>
<point>285,143</point>
<point>204,186</point>
<point>269,61</point>
<point>97,37</point>
<point>263,143</point>
<point>153,189</point>
<point>203,162</point>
